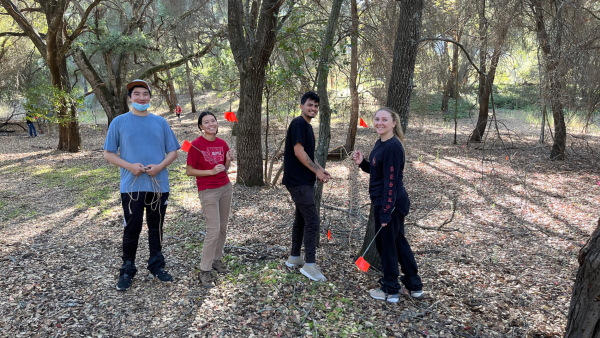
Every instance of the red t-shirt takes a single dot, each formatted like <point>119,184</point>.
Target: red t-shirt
<point>178,110</point>
<point>210,154</point>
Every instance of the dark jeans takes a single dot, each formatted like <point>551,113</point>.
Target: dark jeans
<point>32,132</point>
<point>306,221</point>
<point>133,226</point>
<point>393,248</point>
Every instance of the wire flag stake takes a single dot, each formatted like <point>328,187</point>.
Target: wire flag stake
<point>360,262</point>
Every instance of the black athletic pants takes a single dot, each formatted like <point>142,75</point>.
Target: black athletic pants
<point>393,248</point>
<point>306,221</point>
<point>155,215</point>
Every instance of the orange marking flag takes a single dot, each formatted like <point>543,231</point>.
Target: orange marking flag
<point>329,234</point>
<point>362,264</point>
<point>186,146</point>
<point>230,116</point>
<point>362,123</point>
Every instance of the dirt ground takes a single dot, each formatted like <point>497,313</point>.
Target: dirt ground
<point>495,228</point>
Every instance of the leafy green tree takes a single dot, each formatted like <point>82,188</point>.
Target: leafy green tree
<point>64,22</point>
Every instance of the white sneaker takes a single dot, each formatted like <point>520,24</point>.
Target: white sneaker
<point>294,262</point>
<point>313,272</point>
<point>379,294</point>
<point>413,294</point>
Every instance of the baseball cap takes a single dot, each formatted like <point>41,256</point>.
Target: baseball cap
<point>138,82</point>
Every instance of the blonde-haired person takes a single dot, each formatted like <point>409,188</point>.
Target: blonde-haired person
<point>391,205</point>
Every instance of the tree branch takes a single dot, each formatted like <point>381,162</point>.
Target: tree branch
<point>32,10</point>
<point>174,64</point>
<point>80,27</point>
<point>24,24</point>
<point>43,36</point>
<point>459,45</point>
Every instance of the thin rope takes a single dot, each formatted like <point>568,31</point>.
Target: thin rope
<point>154,202</point>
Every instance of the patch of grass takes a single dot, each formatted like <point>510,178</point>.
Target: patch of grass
<point>11,169</point>
<point>91,186</point>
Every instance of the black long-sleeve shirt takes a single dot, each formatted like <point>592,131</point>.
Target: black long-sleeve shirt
<point>386,166</point>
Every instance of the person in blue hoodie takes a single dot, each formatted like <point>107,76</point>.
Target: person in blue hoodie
<point>391,204</point>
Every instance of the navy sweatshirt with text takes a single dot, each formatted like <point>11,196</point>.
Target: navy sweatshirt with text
<point>386,165</point>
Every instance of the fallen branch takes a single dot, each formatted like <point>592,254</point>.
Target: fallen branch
<point>353,213</point>
<point>447,221</point>
<point>239,247</point>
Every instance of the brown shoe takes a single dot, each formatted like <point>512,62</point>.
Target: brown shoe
<point>220,267</point>
<point>206,279</point>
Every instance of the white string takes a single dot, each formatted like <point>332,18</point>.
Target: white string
<point>154,203</point>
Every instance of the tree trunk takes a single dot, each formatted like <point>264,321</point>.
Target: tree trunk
<point>112,106</point>
<point>405,55</point>
<point>449,80</point>
<point>485,91</point>
<point>252,43</point>
<point>172,101</point>
<point>324,108</point>
<point>190,86</point>
<point>268,96</point>
<point>484,94</point>
<point>69,136</point>
<point>372,256</point>
<point>584,313</point>
<point>351,136</point>
<point>551,57</point>
<point>451,87</point>
<point>248,143</point>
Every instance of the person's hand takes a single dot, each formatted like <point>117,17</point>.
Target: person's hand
<point>217,169</point>
<point>357,156</point>
<point>383,224</point>
<point>136,168</point>
<point>153,169</point>
<point>323,176</point>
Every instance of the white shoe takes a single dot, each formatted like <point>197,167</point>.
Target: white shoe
<point>294,262</point>
<point>313,272</point>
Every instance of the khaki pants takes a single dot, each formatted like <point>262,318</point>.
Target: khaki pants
<point>216,204</point>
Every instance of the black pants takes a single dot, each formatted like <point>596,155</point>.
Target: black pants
<point>155,216</point>
<point>393,248</point>
<point>306,221</point>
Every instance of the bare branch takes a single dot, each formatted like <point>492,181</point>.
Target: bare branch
<point>174,64</point>
<point>80,28</point>
<point>25,25</point>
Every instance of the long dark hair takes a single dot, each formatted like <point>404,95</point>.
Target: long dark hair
<point>202,115</point>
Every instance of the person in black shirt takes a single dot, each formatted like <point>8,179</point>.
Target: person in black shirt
<point>391,205</point>
<point>299,173</point>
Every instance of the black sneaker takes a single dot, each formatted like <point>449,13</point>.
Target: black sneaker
<point>163,276</point>
<point>128,270</point>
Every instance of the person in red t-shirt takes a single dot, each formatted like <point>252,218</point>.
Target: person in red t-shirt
<point>178,112</point>
<point>208,160</point>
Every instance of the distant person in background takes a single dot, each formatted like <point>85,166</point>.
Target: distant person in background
<point>29,118</point>
<point>178,112</point>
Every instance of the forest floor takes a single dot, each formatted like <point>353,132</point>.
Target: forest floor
<point>502,266</point>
